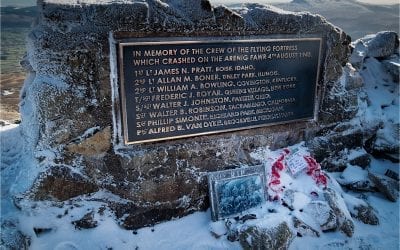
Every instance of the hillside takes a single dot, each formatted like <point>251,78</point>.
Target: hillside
<point>355,18</point>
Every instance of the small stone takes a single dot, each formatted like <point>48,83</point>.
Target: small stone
<point>347,227</point>
<point>278,237</point>
<point>387,186</point>
<point>361,186</point>
<point>384,143</point>
<point>86,222</point>
<point>362,160</point>
<point>382,44</point>
<point>353,78</point>
<point>248,217</point>
<point>61,184</point>
<point>366,215</point>
<point>11,237</point>
<point>233,234</point>
<point>304,229</point>
<point>39,231</point>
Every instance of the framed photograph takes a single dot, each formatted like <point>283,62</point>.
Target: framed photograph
<point>235,190</point>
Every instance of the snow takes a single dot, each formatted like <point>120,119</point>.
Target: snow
<point>18,171</point>
<point>6,92</point>
<point>381,109</point>
<point>353,174</point>
<point>190,232</point>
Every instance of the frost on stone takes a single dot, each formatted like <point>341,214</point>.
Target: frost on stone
<point>323,215</point>
<point>338,205</point>
<point>387,186</point>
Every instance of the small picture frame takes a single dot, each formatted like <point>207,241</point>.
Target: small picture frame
<point>235,190</point>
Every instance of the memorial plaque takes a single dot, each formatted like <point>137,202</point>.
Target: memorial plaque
<point>177,89</point>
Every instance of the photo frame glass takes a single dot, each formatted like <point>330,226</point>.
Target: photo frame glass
<point>235,191</point>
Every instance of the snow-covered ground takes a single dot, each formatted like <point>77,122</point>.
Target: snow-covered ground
<point>51,227</point>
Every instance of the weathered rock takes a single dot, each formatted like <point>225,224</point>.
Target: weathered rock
<point>294,200</point>
<point>69,93</point>
<point>339,207</point>
<point>347,227</point>
<point>353,79</point>
<point>94,146</point>
<point>387,186</point>
<point>288,199</point>
<point>86,222</point>
<point>366,214</point>
<point>233,233</point>
<point>323,214</point>
<point>384,143</point>
<point>303,229</point>
<point>61,184</point>
<point>361,186</point>
<point>392,67</point>
<point>356,179</point>
<point>133,216</point>
<point>363,160</point>
<point>383,44</point>
<point>333,145</point>
<point>392,174</point>
<point>218,229</point>
<point>278,237</point>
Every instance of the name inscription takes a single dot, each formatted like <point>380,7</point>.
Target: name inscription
<point>179,89</point>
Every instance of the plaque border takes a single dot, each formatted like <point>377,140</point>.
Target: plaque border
<point>169,41</point>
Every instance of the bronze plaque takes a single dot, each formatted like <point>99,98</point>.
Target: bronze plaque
<point>177,89</point>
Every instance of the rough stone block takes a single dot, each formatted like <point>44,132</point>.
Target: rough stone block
<point>387,186</point>
<point>60,184</point>
<point>382,44</point>
<point>366,214</point>
<point>278,237</point>
<point>303,229</point>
